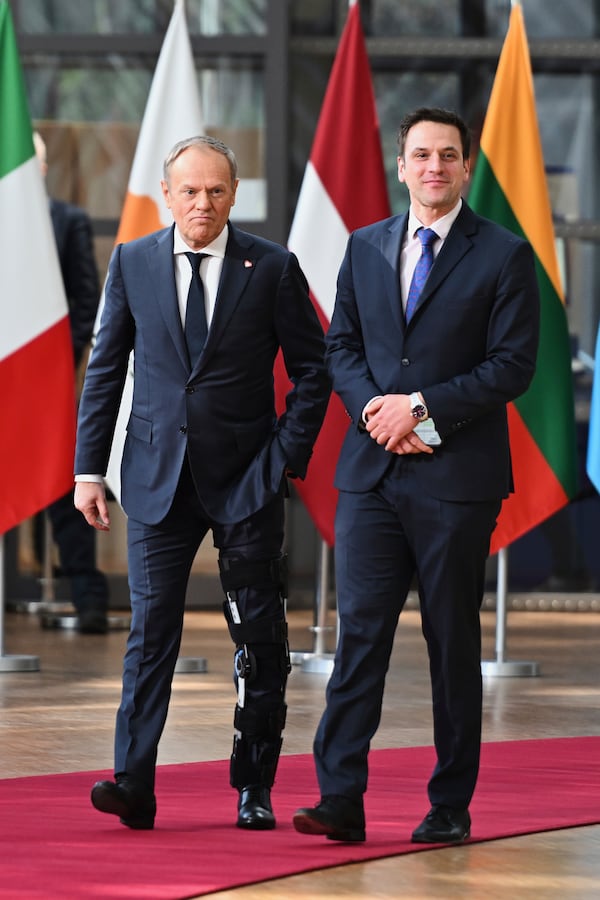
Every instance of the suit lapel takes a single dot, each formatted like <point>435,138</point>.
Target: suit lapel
<point>456,245</point>
<point>161,266</point>
<point>391,243</point>
<point>238,266</point>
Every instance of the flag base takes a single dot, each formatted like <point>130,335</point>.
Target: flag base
<point>18,663</point>
<point>518,669</point>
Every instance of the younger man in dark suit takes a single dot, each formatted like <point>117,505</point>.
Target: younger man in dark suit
<point>434,331</point>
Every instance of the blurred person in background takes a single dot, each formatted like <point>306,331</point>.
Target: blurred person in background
<point>75,541</point>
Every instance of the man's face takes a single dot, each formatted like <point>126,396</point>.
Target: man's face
<point>200,194</point>
<point>433,168</point>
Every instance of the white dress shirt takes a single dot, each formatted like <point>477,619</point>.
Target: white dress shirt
<point>210,271</point>
<point>411,248</point>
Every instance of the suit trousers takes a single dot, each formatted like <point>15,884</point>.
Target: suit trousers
<point>76,543</point>
<point>384,538</point>
<point>160,559</point>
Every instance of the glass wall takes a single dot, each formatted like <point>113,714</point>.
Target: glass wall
<point>262,69</point>
<point>446,54</point>
<point>88,70</point>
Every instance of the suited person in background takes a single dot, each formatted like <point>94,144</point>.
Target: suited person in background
<point>76,542</point>
<point>425,375</point>
<point>205,450</point>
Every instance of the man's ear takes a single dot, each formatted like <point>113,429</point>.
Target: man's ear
<point>401,169</point>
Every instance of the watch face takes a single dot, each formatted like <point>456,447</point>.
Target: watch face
<point>419,411</point>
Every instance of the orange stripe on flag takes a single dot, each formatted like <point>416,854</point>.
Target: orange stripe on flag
<point>139,217</point>
<point>543,496</point>
<point>37,385</point>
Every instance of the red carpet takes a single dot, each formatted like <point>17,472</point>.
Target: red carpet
<point>53,844</point>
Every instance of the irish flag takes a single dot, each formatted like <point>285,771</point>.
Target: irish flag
<point>37,381</point>
<point>509,186</point>
<point>172,114</point>
<point>343,188</point>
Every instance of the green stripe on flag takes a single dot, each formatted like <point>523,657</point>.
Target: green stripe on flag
<point>547,406</point>
<point>16,143</point>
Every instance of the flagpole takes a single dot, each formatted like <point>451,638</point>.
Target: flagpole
<point>318,660</point>
<point>500,667</point>
<point>11,663</point>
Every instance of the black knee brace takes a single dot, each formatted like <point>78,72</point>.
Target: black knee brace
<point>263,637</point>
<point>259,724</point>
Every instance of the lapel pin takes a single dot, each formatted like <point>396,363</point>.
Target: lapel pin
<point>248,263</point>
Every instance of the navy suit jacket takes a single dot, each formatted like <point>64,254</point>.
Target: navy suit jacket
<point>470,348</point>
<point>221,412</point>
<point>75,245</point>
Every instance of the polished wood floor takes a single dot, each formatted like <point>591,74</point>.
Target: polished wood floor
<point>61,718</point>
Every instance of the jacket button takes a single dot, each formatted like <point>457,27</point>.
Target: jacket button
<point>404,361</point>
<point>189,390</point>
<point>183,429</point>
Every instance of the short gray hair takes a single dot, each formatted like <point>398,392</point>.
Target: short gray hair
<point>201,140</point>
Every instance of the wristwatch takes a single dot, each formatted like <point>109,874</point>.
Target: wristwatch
<point>418,410</point>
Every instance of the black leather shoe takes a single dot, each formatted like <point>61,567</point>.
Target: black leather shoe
<point>254,809</point>
<point>92,621</point>
<point>127,798</point>
<point>338,818</point>
<point>443,825</point>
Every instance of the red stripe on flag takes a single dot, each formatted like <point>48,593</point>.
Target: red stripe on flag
<point>347,157</point>
<point>347,148</point>
<point>37,385</point>
<point>544,495</point>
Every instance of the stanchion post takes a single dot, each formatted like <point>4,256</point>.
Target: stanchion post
<point>500,667</point>
<point>11,663</point>
<point>319,627</point>
<point>319,661</point>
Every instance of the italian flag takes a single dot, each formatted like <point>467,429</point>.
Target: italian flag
<point>346,152</point>
<point>37,380</point>
<point>509,187</point>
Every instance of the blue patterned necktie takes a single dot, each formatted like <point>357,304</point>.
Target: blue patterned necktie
<point>427,237</point>
<point>196,328</point>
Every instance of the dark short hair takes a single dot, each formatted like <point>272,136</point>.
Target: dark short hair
<point>434,114</point>
<point>201,140</point>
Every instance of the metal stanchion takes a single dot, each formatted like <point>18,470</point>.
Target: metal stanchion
<point>318,660</point>
<point>53,613</point>
<point>500,666</point>
<point>188,665</point>
<point>11,663</point>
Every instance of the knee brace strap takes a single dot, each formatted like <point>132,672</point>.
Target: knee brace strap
<point>252,720</point>
<point>239,573</point>
<point>266,630</point>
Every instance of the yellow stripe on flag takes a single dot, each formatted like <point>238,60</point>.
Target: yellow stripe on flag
<point>504,139</point>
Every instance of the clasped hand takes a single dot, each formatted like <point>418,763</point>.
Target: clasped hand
<point>390,423</point>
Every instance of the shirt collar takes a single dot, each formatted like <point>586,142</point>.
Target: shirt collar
<point>441,226</point>
<point>215,248</point>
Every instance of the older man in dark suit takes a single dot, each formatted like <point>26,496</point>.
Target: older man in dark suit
<point>206,308</point>
<point>434,331</point>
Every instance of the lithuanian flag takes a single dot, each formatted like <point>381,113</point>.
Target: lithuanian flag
<point>509,186</point>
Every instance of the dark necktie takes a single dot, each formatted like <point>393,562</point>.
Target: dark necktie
<point>427,237</point>
<point>196,328</point>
